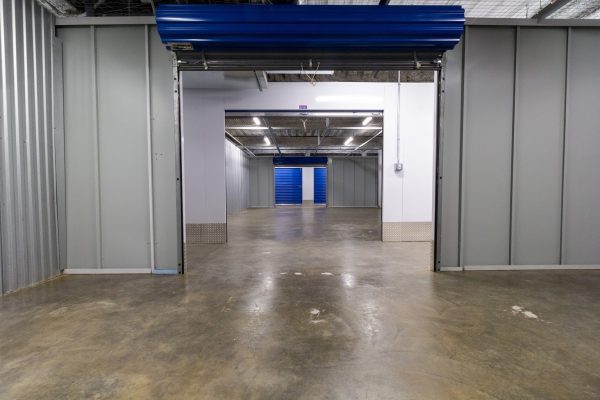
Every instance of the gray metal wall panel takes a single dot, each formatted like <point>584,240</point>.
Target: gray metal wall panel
<point>512,181</point>
<point>18,58</point>
<point>59,150</point>
<point>487,145</point>
<point>163,149</point>
<point>122,130</point>
<point>337,183</point>
<point>349,183</point>
<point>371,179</point>
<point>359,182</point>
<point>31,178</point>
<point>80,148</point>
<point>352,182</point>
<point>267,184</point>
<point>237,171</point>
<point>581,223</point>
<point>261,182</point>
<point>51,226</point>
<point>538,145</point>
<point>8,253</point>
<point>108,117</point>
<point>451,116</point>
<point>252,183</point>
<point>27,195</point>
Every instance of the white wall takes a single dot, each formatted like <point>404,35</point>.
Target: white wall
<point>407,195</point>
<point>203,129</point>
<point>308,184</point>
<point>416,150</point>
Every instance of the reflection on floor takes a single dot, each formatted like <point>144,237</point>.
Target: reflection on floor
<point>305,319</point>
<point>305,223</point>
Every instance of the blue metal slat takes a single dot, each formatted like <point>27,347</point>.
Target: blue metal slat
<point>314,160</point>
<point>320,186</point>
<point>227,27</point>
<point>288,185</point>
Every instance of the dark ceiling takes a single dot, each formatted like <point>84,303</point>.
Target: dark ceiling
<point>570,9</point>
<point>102,8</point>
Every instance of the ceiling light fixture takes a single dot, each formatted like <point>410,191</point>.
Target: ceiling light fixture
<point>367,120</point>
<point>256,120</point>
<point>267,141</point>
<point>348,141</point>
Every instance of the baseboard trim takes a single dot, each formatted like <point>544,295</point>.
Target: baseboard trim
<point>105,271</point>
<point>451,269</point>
<point>165,271</point>
<point>528,267</point>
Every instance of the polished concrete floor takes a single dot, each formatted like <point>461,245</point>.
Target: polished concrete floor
<point>310,316</point>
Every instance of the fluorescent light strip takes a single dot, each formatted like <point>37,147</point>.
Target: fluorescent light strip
<point>341,128</point>
<point>267,141</point>
<point>367,120</point>
<point>348,141</point>
<point>256,120</point>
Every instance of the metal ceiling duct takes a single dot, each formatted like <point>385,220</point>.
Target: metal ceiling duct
<point>223,36</point>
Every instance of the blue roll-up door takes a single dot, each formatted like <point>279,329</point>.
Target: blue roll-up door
<point>249,36</point>
<point>320,185</point>
<point>237,27</point>
<point>288,185</point>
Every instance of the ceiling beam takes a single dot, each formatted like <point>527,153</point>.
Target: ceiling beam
<point>588,11</point>
<point>371,138</point>
<point>261,80</point>
<point>229,135</point>
<point>550,9</point>
<point>271,134</point>
<point>333,128</point>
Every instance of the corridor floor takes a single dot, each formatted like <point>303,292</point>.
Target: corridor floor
<point>312,311</point>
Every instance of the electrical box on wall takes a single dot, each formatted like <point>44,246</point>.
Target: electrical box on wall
<point>398,167</point>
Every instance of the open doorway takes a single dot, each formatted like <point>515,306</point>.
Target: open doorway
<point>219,109</point>
<point>308,175</point>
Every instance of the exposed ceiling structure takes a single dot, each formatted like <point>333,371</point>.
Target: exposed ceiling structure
<point>310,134</point>
<point>564,9</point>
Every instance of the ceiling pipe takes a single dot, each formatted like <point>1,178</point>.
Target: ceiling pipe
<point>550,9</point>
<point>60,8</point>
<point>272,135</point>
<point>373,137</point>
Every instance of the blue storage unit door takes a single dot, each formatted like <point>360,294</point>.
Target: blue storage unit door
<point>250,28</point>
<point>320,185</point>
<point>288,185</point>
<point>250,37</point>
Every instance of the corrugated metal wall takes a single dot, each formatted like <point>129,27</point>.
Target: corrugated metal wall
<point>29,244</point>
<point>261,182</point>
<point>119,149</point>
<point>521,148</point>
<point>352,182</point>
<point>237,173</point>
